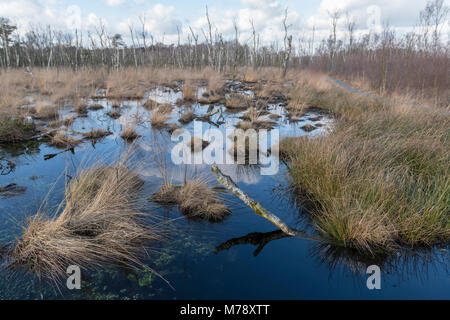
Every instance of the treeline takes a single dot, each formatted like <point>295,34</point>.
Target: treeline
<point>389,62</point>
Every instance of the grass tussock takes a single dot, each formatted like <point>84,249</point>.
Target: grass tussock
<point>129,134</point>
<point>195,199</point>
<point>61,140</point>
<point>99,222</point>
<point>238,101</point>
<point>114,114</point>
<point>46,111</point>
<point>165,108</point>
<point>187,117</point>
<point>159,119</point>
<point>380,179</point>
<point>15,129</point>
<point>189,91</point>
<point>95,134</point>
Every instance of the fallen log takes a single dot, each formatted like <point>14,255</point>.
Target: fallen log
<point>228,183</point>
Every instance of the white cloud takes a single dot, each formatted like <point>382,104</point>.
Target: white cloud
<point>114,3</point>
<point>397,13</point>
<point>159,21</point>
<point>267,17</point>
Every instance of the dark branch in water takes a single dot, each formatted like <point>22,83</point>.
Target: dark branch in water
<point>259,239</point>
<point>227,182</point>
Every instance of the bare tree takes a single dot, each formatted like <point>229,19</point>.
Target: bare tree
<point>287,43</point>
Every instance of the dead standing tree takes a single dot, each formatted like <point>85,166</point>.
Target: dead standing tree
<point>287,43</point>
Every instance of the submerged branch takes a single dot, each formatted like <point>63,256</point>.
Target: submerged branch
<point>227,182</point>
<point>259,239</point>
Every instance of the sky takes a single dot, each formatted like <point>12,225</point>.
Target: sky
<point>165,17</point>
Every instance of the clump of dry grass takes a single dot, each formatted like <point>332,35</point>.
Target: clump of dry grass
<point>67,122</point>
<point>61,140</point>
<point>244,125</point>
<point>380,179</point>
<point>215,84</point>
<point>238,101</point>
<point>150,104</point>
<point>159,119</point>
<point>165,108</point>
<point>187,117</point>
<point>99,222</point>
<point>166,195</point>
<point>195,199</point>
<point>129,134</point>
<point>95,134</point>
<point>15,129</point>
<point>189,91</point>
<point>95,107</point>
<point>46,111</point>
<point>115,113</point>
<point>81,108</point>
<point>251,120</point>
<point>308,128</point>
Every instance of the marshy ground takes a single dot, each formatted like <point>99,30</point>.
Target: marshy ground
<point>369,178</point>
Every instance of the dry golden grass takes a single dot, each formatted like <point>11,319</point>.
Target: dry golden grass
<point>159,119</point>
<point>187,117</point>
<point>15,129</point>
<point>215,83</point>
<point>238,101</point>
<point>380,179</point>
<point>165,108</point>
<point>195,199</point>
<point>61,140</point>
<point>115,113</point>
<point>129,133</point>
<point>46,111</point>
<point>150,104</point>
<point>189,91</point>
<point>166,195</point>
<point>99,222</point>
<point>95,134</point>
<point>244,125</point>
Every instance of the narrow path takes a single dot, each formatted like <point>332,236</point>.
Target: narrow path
<point>371,95</point>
